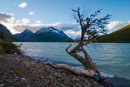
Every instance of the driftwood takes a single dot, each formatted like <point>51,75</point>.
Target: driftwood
<point>87,73</point>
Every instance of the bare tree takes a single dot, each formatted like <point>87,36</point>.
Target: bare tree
<point>91,27</point>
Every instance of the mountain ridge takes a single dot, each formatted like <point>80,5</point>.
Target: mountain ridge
<point>45,34</point>
<point>7,33</point>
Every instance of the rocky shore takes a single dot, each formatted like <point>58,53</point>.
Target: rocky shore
<point>23,71</point>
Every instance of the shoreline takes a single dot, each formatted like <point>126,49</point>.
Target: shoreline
<point>114,80</point>
<point>24,71</point>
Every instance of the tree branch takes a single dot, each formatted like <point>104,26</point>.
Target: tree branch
<point>68,48</point>
<point>91,41</point>
<point>74,49</point>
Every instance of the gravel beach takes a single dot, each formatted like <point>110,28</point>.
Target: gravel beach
<point>23,71</point>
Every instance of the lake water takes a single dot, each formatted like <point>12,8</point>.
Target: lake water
<point>112,59</point>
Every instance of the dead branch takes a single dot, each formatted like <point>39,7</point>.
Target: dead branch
<point>87,73</point>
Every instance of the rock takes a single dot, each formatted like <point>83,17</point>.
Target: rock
<point>23,78</point>
<point>2,85</point>
<point>15,53</point>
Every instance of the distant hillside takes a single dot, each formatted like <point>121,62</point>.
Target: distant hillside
<point>46,34</point>
<point>7,46</point>
<point>120,36</point>
<point>7,33</point>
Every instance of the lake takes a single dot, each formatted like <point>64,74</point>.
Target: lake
<point>112,59</point>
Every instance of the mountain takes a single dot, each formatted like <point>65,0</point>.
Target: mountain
<point>46,34</point>
<point>7,33</point>
<point>51,29</point>
<point>24,35</point>
<point>120,36</point>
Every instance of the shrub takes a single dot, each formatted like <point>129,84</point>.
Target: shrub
<point>7,46</point>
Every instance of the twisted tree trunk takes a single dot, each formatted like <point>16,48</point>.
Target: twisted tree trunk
<point>86,60</point>
<point>91,27</point>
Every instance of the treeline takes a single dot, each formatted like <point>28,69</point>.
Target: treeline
<point>70,40</point>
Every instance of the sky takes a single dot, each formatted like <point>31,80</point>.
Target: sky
<point>17,15</point>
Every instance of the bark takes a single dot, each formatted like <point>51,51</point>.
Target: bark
<point>91,64</point>
<point>87,62</point>
<point>87,73</point>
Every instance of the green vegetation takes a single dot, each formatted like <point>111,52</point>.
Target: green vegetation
<point>7,46</point>
<point>70,40</point>
<point>19,73</point>
<point>120,36</point>
<point>10,72</point>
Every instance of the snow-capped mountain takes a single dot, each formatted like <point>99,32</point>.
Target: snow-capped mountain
<point>47,29</point>
<point>49,34</point>
<point>50,29</point>
<point>46,34</point>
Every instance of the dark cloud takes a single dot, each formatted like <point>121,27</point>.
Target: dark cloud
<point>6,18</point>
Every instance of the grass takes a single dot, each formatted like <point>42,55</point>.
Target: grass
<point>7,46</point>
<point>10,72</point>
<point>19,73</point>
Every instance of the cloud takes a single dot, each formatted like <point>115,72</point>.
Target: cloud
<point>115,24</point>
<point>18,21</point>
<point>25,20</point>
<point>31,13</point>
<point>23,5</point>
<point>73,34</point>
<point>6,18</point>
<point>65,27</point>
<point>38,22</point>
<point>34,27</point>
<point>21,27</point>
<point>128,22</point>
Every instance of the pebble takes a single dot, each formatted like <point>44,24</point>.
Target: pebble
<point>2,85</point>
<point>33,73</point>
<point>23,78</point>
